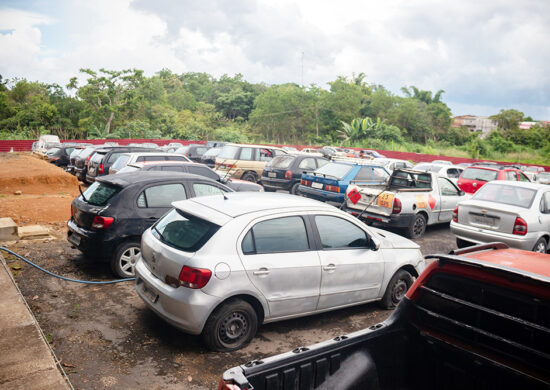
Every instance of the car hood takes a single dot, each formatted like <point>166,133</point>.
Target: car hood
<point>395,241</point>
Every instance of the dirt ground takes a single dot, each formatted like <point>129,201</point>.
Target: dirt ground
<point>105,336</point>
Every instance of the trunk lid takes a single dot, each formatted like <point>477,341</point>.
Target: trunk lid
<point>489,215</point>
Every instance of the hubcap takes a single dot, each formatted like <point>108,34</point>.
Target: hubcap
<point>418,226</point>
<point>399,290</point>
<point>540,247</point>
<point>128,260</point>
<point>233,327</point>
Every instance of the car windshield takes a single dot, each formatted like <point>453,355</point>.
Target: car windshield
<point>99,193</point>
<point>479,174</point>
<point>506,194</point>
<point>228,152</point>
<point>212,152</point>
<point>281,162</point>
<point>183,231</point>
<point>544,175</point>
<point>334,170</point>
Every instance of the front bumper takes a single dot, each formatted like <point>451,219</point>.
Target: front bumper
<point>185,308</point>
<point>323,196</point>
<point>481,236</point>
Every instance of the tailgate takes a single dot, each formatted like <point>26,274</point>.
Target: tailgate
<point>378,200</point>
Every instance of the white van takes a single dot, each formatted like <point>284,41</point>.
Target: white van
<point>40,146</point>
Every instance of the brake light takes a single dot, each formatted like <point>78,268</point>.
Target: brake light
<point>224,385</point>
<point>455,214</point>
<point>288,175</point>
<point>332,188</point>
<point>396,206</point>
<point>100,222</point>
<point>520,227</point>
<point>87,160</point>
<point>194,277</point>
<point>305,182</point>
<point>100,168</point>
<point>72,211</point>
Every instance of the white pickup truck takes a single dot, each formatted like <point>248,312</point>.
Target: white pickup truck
<point>411,200</point>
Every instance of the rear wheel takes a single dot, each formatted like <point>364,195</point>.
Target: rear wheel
<point>231,326</point>
<point>125,258</point>
<point>249,176</point>
<point>294,189</point>
<point>417,227</point>
<point>397,288</point>
<point>541,246</point>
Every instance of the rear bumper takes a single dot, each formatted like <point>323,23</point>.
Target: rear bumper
<point>481,236</point>
<point>185,308</point>
<point>278,184</point>
<point>323,196</point>
<point>95,243</point>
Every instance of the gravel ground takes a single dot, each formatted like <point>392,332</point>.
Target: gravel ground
<point>107,338</point>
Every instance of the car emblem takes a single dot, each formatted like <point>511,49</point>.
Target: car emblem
<point>483,211</point>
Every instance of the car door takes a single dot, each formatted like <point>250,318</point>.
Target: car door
<point>544,217</point>
<point>351,269</point>
<point>450,196</point>
<point>155,200</point>
<point>282,263</point>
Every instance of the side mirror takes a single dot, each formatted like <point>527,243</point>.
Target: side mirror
<point>375,243</point>
<point>461,193</point>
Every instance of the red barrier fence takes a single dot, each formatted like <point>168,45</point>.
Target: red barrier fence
<point>25,146</point>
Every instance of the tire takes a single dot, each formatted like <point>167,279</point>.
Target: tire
<point>294,189</point>
<point>417,227</point>
<point>397,288</point>
<point>249,176</point>
<point>267,189</point>
<point>124,259</point>
<point>231,326</point>
<point>460,243</point>
<point>541,245</point>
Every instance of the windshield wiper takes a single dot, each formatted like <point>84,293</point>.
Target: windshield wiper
<point>82,194</point>
<point>477,178</point>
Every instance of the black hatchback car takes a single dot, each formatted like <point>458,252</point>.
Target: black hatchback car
<point>108,219</point>
<point>102,159</point>
<point>193,152</point>
<point>60,155</point>
<point>284,172</point>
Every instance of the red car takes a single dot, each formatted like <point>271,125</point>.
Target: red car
<point>474,177</point>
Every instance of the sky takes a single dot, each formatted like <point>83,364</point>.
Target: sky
<point>486,55</point>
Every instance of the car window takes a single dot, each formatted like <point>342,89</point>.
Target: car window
<point>321,162</point>
<point>200,151</point>
<point>170,168</point>
<point>334,170</point>
<point>281,162</point>
<point>511,175</point>
<point>337,233</point>
<point>99,193</point>
<point>121,161</point>
<point>379,174</point>
<point>246,154</point>
<point>229,152</point>
<point>113,157</point>
<point>506,194</point>
<point>522,177</point>
<point>308,164</point>
<point>153,158</point>
<point>175,158</point>
<point>265,155</point>
<point>453,173</point>
<point>364,173</point>
<point>446,187</point>
<point>97,157</point>
<point>479,174</point>
<point>203,171</point>
<point>287,234</point>
<point>545,203</point>
<point>161,195</point>
<point>202,189</point>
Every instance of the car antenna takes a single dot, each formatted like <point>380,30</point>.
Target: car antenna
<point>81,193</point>
<point>224,196</point>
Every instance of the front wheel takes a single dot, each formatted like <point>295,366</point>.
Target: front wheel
<point>231,326</point>
<point>125,258</point>
<point>541,246</point>
<point>249,176</point>
<point>397,288</point>
<point>418,226</point>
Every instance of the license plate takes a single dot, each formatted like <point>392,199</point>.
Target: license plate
<point>150,294</point>
<point>317,185</point>
<point>74,239</point>
<point>483,220</point>
<point>271,174</point>
<point>385,199</point>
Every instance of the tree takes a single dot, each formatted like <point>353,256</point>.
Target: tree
<point>423,96</point>
<point>508,119</point>
<point>107,92</point>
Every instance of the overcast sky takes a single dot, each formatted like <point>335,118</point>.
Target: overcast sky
<point>486,55</point>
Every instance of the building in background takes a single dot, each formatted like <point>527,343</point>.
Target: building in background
<point>476,124</point>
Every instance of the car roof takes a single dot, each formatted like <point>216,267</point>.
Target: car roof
<point>142,164</point>
<point>147,154</point>
<point>254,146</point>
<point>126,178</point>
<point>235,204</point>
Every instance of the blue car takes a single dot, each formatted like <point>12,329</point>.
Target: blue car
<point>330,182</point>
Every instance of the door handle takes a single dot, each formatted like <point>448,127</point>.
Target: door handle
<point>262,271</point>
<point>330,267</point>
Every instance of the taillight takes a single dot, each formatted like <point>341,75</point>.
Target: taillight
<point>332,188</point>
<point>194,277</point>
<point>100,168</point>
<point>396,206</point>
<point>102,222</point>
<point>520,227</point>
<point>288,175</point>
<point>87,159</point>
<point>455,214</point>
<point>305,182</point>
<point>223,385</point>
<point>72,211</point>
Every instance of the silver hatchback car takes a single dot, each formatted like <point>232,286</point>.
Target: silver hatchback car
<point>222,265</point>
<point>516,213</point>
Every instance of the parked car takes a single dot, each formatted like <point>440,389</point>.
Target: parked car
<point>72,157</point>
<point>45,142</point>
<point>82,160</point>
<point>221,266</point>
<point>330,182</point>
<point>192,152</point>
<point>195,169</point>
<point>209,157</point>
<point>215,144</point>
<point>543,178</point>
<point>312,151</point>
<point>475,319</point>
<point>392,163</point>
<point>517,214</point>
<point>245,162</point>
<point>290,149</point>
<point>59,156</point>
<point>285,172</point>
<point>411,200</point>
<point>371,153</point>
<point>474,177</point>
<point>107,220</point>
<point>442,162</point>
<point>133,157</point>
<point>102,159</point>
<point>451,172</point>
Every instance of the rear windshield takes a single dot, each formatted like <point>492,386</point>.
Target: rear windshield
<point>479,174</point>
<point>183,231</point>
<point>229,152</point>
<point>334,170</point>
<point>121,162</point>
<point>86,152</point>
<point>98,157</point>
<point>99,193</point>
<point>501,193</point>
<point>282,162</point>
